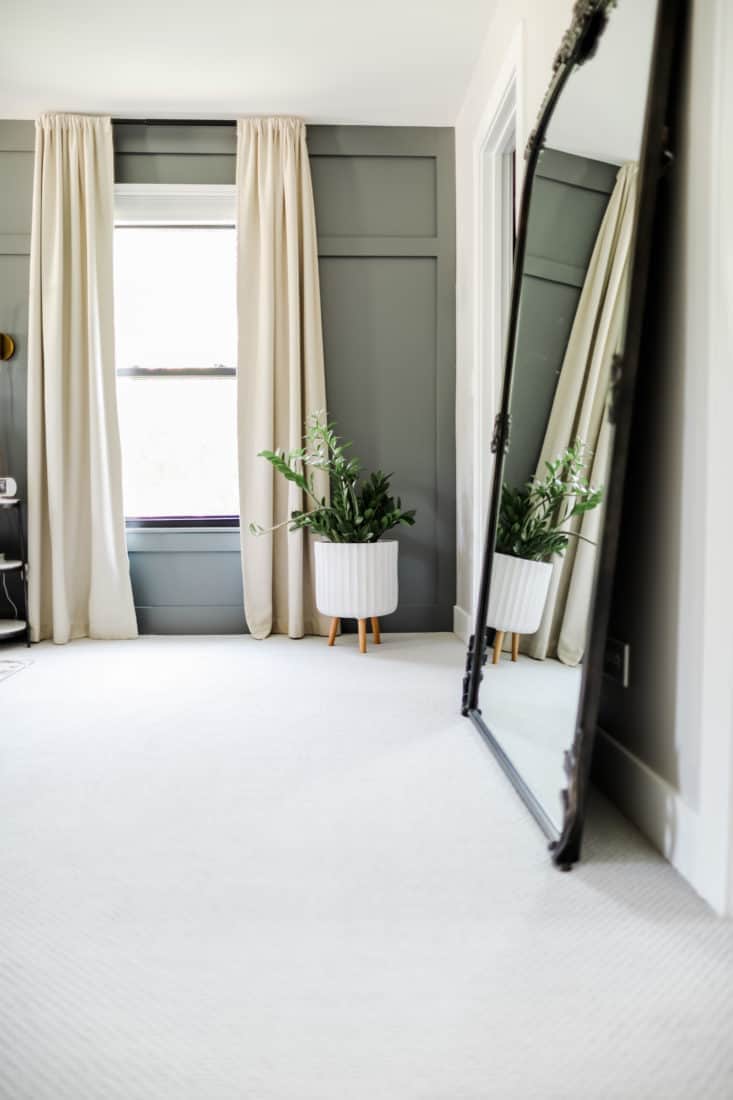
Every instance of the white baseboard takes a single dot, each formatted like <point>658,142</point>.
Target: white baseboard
<point>652,804</point>
<point>462,624</point>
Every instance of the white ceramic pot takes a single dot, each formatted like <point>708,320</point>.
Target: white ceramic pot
<point>355,580</point>
<point>518,594</point>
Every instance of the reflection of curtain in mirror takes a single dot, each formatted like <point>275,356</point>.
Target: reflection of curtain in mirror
<point>578,411</point>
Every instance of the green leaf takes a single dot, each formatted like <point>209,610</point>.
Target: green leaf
<point>361,509</point>
<point>533,519</point>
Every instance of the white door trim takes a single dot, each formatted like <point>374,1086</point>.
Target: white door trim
<point>715,846</point>
<point>497,135</point>
<point>723,330</point>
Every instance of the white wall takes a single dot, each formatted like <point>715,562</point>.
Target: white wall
<point>722,325</point>
<point>667,758</point>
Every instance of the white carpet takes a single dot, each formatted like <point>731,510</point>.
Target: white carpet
<point>9,668</point>
<point>239,870</point>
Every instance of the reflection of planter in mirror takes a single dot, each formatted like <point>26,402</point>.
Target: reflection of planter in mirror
<point>518,594</point>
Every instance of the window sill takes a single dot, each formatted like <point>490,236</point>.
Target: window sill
<point>197,539</point>
<point>182,523</point>
<point>180,528</point>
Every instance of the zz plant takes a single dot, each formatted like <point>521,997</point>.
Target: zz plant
<point>533,519</point>
<point>361,509</point>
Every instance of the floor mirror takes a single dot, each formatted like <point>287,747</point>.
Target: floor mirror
<point>583,253</point>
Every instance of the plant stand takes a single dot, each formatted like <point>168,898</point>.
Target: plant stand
<point>517,599</point>
<point>356,580</point>
<point>336,622</point>
<point>499,644</point>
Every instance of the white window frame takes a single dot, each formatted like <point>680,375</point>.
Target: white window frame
<point>177,204</point>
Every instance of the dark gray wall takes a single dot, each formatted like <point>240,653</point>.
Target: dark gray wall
<point>16,193</point>
<point>385,209</point>
<point>569,198</point>
<point>187,581</point>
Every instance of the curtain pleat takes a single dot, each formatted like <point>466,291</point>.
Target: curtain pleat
<point>79,580</point>
<point>579,411</point>
<point>280,376</point>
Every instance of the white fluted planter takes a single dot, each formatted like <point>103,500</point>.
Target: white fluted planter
<point>518,594</point>
<point>356,580</point>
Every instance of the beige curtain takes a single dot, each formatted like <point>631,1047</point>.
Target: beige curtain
<point>281,378</point>
<point>578,410</point>
<point>78,569</point>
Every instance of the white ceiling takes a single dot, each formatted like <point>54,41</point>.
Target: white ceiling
<point>389,62</point>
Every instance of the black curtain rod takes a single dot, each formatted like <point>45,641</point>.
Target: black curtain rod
<point>174,122</point>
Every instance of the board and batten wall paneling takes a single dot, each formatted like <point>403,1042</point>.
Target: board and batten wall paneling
<point>16,186</point>
<point>187,581</point>
<point>385,210</point>
<point>569,198</point>
<point>16,189</point>
<point>386,217</point>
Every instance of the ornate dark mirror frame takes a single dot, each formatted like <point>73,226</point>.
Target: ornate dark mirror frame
<point>578,45</point>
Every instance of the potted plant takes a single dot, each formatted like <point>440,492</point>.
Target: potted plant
<point>356,568</point>
<point>533,531</point>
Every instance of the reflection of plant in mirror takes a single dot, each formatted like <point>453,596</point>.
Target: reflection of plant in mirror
<point>359,511</point>
<point>532,519</point>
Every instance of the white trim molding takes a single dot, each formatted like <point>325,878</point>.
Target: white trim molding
<point>716,644</point>
<point>175,203</point>
<point>721,322</point>
<point>652,804</point>
<point>461,624</point>
<point>496,138</point>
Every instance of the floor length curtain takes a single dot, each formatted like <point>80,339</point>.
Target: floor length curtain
<point>78,568</point>
<point>281,377</point>
<point>578,412</point>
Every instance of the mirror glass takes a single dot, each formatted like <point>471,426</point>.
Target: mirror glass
<point>574,285</point>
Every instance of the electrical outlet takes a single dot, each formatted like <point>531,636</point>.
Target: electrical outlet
<point>616,661</point>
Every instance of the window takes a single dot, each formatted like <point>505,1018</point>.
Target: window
<point>176,345</point>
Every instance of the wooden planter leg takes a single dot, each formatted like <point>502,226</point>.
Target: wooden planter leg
<point>515,646</point>
<point>333,631</point>
<point>498,643</point>
<point>375,630</point>
<point>362,635</point>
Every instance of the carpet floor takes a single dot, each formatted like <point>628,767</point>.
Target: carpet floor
<point>239,870</point>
